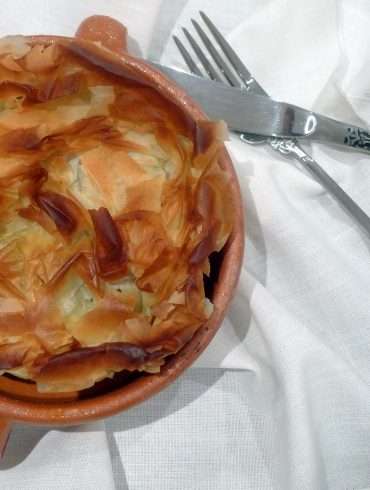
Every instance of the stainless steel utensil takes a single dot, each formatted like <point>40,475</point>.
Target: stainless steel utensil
<point>242,78</point>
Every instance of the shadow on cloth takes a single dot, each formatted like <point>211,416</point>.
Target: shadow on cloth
<point>23,439</point>
<point>19,447</point>
<point>165,403</point>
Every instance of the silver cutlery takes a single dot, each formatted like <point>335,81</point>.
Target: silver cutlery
<point>242,78</point>
<point>258,114</point>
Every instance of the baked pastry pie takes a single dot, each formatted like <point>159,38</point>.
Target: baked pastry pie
<point>111,202</point>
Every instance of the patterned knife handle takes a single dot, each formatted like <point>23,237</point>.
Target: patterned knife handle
<point>333,131</point>
<point>357,138</point>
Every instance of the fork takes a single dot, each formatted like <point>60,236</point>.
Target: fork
<point>240,77</point>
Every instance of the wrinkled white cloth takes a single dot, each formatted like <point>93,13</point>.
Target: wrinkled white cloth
<point>281,397</point>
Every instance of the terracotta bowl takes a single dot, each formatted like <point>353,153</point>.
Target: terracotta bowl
<point>20,401</point>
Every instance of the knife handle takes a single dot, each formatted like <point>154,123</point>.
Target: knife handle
<point>342,133</point>
<point>290,147</point>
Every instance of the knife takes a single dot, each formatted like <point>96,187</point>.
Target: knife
<point>250,113</point>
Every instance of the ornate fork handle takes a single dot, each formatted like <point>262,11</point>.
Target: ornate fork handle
<point>290,147</point>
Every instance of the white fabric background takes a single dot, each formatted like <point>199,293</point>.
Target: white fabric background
<point>281,397</point>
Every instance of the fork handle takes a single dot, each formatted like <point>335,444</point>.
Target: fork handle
<point>290,147</point>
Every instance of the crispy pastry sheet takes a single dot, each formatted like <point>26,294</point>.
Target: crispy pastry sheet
<point>112,200</point>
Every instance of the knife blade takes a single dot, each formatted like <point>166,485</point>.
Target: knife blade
<point>262,115</point>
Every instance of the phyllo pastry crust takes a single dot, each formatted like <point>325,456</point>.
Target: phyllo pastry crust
<point>111,202</point>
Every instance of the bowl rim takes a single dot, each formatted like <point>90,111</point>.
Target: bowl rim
<point>127,396</point>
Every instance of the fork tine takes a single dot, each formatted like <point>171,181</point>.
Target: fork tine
<point>202,58</point>
<point>230,54</point>
<point>216,57</point>
<point>187,58</point>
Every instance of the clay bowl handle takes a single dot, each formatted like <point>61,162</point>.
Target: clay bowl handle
<point>5,428</point>
<point>109,32</point>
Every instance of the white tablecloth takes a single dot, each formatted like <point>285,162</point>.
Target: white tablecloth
<point>281,397</point>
